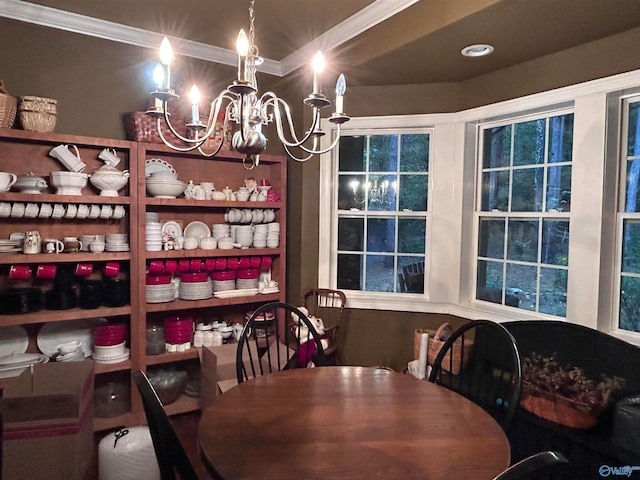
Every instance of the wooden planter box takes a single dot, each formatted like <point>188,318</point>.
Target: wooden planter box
<point>558,409</point>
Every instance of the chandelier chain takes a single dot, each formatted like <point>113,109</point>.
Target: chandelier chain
<point>252,30</point>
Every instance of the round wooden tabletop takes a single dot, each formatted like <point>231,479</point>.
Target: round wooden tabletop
<point>349,423</point>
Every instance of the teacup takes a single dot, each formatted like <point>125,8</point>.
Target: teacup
<point>45,210</point>
<point>94,211</point>
<point>5,209</point>
<point>72,211</point>
<point>118,212</point>
<point>106,211</point>
<point>83,211</point>
<point>7,180</point>
<point>31,210</point>
<point>58,211</point>
<point>17,210</point>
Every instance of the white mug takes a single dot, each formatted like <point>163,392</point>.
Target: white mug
<point>72,211</point>
<point>106,211</point>
<point>71,162</point>
<point>31,210</point>
<point>58,211</point>
<point>17,210</point>
<point>118,212</point>
<point>83,211</point>
<point>5,209</point>
<point>94,211</point>
<point>108,155</point>
<point>45,210</point>
<point>7,180</point>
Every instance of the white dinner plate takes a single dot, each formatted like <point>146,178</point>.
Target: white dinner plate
<point>197,230</point>
<point>54,334</point>
<point>13,339</point>
<point>153,165</point>
<point>236,293</point>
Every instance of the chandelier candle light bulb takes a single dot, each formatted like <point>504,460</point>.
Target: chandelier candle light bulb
<point>166,57</point>
<point>318,66</point>
<point>194,96</point>
<point>242,47</point>
<point>341,88</point>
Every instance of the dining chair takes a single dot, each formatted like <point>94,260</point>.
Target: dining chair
<point>277,336</point>
<point>488,368</point>
<point>169,451</point>
<point>328,305</point>
<point>534,467</point>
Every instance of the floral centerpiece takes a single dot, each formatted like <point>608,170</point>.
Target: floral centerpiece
<point>561,393</point>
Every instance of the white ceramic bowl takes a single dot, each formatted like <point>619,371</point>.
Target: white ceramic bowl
<point>165,189</point>
<point>107,352</point>
<point>69,183</point>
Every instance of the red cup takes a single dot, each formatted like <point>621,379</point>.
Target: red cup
<point>111,269</point>
<point>184,265</point>
<point>232,263</point>
<point>221,264</point>
<point>171,266</point>
<point>46,272</point>
<point>210,264</point>
<point>255,262</point>
<point>194,277</point>
<point>84,269</point>
<point>244,263</point>
<point>156,267</point>
<point>250,273</point>
<point>224,275</point>
<point>196,264</point>
<point>20,272</point>
<point>265,263</point>
<point>264,182</point>
<point>158,279</point>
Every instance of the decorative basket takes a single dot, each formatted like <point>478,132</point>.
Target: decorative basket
<point>435,345</point>
<point>8,106</point>
<point>558,409</point>
<point>38,114</point>
<point>141,127</point>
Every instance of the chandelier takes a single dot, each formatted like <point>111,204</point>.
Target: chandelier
<point>375,191</point>
<point>244,110</point>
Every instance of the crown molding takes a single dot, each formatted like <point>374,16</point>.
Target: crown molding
<point>376,12</point>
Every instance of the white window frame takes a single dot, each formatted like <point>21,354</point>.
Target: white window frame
<point>452,172</point>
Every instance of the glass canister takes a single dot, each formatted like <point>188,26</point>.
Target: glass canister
<point>155,340</point>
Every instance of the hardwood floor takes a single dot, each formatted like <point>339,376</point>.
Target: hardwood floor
<point>186,427</point>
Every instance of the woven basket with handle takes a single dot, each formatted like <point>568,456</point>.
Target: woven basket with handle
<point>8,107</point>
<point>435,345</point>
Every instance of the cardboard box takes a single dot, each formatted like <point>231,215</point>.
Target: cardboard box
<point>271,356</point>
<point>48,426</point>
<point>218,366</point>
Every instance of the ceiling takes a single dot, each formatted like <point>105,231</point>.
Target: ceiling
<point>374,42</point>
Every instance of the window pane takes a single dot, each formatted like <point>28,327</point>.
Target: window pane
<point>633,196</point>
<point>495,191</point>
<point>497,147</point>
<point>559,188</point>
<point>352,154</point>
<point>491,238</point>
<point>350,234</point>
<point>631,247</point>
<point>555,242</point>
<point>383,153</point>
<point>351,191</point>
<point>553,291</point>
<point>490,281</point>
<point>521,282</point>
<point>633,135</point>
<point>414,153</point>
<point>630,303</point>
<point>382,193</point>
<point>523,241</point>
<point>381,234</point>
<point>411,272</point>
<point>412,233</point>
<point>413,193</point>
<point>349,272</point>
<point>526,194</point>
<point>561,138</point>
<point>528,148</point>
<point>380,273</point>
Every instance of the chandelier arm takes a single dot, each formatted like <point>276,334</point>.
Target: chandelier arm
<point>188,148</point>
<point>329,148</point>
<point>293,157</point>
<point>214,111</point>
<point>179,136</point>
<point>274,101</point>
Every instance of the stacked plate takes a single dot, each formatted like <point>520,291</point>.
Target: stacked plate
<point>117,242</point>
<point>14,364</point>
<point>10,246</point>
<point>273,235</point>
<point>223,280</point>
<point>195,286</point>
<point>247,278</point>
<point>109,340</point>
<point>153,236</point>
<point>220,230</point>
<point>178,330</point>
<point>160,289</point>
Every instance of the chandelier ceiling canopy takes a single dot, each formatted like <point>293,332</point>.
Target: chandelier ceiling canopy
<point>242,108</point>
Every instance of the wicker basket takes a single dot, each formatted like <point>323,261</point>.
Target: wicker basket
<point>435,345</point>
<point>8,107</point>
<point>558,409</point>
<point>38,114</point>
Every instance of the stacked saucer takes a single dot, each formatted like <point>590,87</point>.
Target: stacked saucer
<point>117,242</point>
<point>273,235</point>
<point>153,236</point>
<point>160,289</point>
<point>247,278</point>
<point>220,230</point>
<point>223,280</point>
<point>195,286</point>
<point>260,233</point>
<point>8,246</point>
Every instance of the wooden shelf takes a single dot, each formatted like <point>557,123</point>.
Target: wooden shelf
<point>190,203</point>
<point>43,316</point>
<point>211,302</point>
<point>216,252</point>
<point>54,198</point>
<point>190,354</point>
<point>21,258</point>
<point>128,419</point>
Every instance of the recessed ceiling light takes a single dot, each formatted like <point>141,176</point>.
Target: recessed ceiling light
<point>477,50</point>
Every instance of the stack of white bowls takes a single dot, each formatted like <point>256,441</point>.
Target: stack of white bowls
<point>164,185</point>
<point>153,236</point>
<point>220,230</point>
<point>87,239</point>
<point>273,235</point>
<point>260,234</point>
<point>244,235</point>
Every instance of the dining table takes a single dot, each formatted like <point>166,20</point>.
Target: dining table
<point>349,422</point>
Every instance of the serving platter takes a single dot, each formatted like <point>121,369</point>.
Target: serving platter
<point>153,165</point>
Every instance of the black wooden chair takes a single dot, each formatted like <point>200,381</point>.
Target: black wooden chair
<point>277,337</point>
<point>328,305</point>
<point>171,455</point>
<point>534,467</point>
<point>490,369</point>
